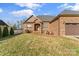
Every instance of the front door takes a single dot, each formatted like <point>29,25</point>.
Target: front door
<point>36,27</point>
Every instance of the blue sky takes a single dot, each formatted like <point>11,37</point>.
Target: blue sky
<point>12,12</point>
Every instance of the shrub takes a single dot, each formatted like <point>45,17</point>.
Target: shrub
<point>11,31</point>
<point>0,33</point>
<point>5,32</point>
<point>28,31</point>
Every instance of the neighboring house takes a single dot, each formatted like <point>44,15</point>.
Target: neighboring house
<point>66,23</point>
<point>3,24</point>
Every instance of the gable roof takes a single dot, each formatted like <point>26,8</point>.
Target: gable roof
<point>47,18</point>
<point>69,12</point>
<point>3,23</point>
<point>51,18</point>
<point>28,19</point>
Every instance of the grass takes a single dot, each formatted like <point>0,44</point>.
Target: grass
<point>38,45</point>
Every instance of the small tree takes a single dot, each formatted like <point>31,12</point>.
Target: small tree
<point>0,33</point>
<point>11,31</point>
<point>14,26</point>
<point>5,32</point>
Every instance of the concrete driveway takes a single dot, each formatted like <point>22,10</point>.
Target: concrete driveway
<point>73,37</point>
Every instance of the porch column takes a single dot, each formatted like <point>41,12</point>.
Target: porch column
<point>41,27</point>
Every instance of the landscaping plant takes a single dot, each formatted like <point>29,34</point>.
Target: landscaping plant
<point>5,32</point>
<point>11,31</point>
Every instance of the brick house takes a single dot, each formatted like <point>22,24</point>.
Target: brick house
<point>66,23</point>
<point>37,23</point>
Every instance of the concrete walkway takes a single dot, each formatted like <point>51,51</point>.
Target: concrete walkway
<point>73,37</point>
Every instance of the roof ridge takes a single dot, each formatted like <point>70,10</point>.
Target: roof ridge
<point>45,15</point>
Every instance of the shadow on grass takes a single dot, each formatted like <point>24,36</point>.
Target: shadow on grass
<point>8,37</point>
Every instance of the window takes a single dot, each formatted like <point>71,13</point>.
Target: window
<point>29,26</point>
<point>45,25</point>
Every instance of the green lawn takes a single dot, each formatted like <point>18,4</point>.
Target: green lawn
<point>41,45</point>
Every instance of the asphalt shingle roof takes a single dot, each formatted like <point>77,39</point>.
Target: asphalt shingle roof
<point>69,12</point>
<point>51,18</point>
<point>46,17</point>
<point>2,23</point>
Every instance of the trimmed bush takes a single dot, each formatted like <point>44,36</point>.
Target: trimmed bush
<point>5,32</point>
<point>0,32</point>
<point>11,31</point>
<point>28,31</point>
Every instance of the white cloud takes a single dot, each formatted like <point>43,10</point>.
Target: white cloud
<point>26,12</point>
<point>65,6</point>
<point>74,7</point>
<point>22,13</point>
<point>47,13</point>
<point>29,5</point>
<point>1,10</point>
<point>29,9</point>
<point>62,5</point>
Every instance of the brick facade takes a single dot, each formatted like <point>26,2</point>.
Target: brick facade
<point>56,27</point>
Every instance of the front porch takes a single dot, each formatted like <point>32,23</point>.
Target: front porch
<point>38,28</point>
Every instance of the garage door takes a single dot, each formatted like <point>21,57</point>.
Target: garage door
<point>72,28</point>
